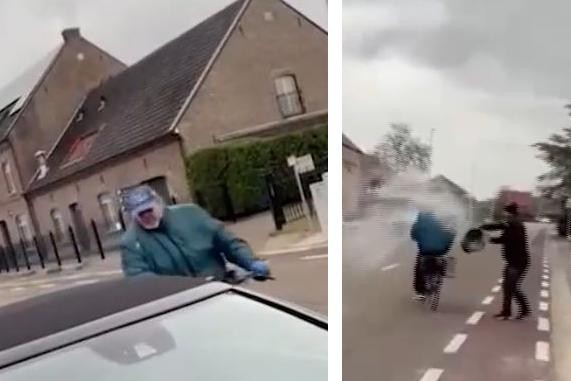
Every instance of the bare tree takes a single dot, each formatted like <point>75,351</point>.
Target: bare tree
<point>400,150</point>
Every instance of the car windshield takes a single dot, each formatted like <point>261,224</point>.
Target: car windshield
<point>226,337</point>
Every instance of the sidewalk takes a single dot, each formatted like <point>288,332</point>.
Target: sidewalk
<point>295,242</point>
<point>558,253</point>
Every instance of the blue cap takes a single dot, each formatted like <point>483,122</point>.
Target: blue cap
<point>138,199</point>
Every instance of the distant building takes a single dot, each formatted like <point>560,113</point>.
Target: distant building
<point>524,200</point>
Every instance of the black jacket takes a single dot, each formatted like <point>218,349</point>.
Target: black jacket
<point>514,241</point>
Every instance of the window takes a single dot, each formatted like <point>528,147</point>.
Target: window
<point>24,230</point>
<point>288,96</point>
<point>80,149</point>
<point>109,211</point>
<point>59,225</point>
<point>8,178</point>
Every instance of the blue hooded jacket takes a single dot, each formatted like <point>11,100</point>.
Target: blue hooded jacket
<point>431,236</point>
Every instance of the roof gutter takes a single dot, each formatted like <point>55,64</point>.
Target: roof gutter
<point>208,67</point>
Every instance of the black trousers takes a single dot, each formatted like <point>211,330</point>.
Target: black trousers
<point>422,267</point>
<point>513,278</point>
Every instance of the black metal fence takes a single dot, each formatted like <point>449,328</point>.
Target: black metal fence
<point>53,250</point>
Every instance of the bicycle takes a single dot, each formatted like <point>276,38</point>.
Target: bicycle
<point>434,272</point>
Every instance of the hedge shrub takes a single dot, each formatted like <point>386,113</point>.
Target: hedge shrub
<point>238,169</point>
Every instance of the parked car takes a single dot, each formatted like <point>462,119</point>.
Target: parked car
<point>153,328</point>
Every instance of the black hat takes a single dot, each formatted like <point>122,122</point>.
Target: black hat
<point>512,208</point>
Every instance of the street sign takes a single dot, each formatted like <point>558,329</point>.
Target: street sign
<point>305,164</point>
<point>291,161</point>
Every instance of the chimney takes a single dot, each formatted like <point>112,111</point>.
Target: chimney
<point>42,164</point>
<point>70,34</point>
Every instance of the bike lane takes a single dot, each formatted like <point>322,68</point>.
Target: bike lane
<point>487,349</point>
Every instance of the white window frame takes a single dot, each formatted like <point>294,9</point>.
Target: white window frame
<point>24,231</point>
<point>57,220</point>
<point>107,203</point>
<point>288,95</point>
<point>8,178</point>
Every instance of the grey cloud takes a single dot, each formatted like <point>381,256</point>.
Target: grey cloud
<point>527,38</point>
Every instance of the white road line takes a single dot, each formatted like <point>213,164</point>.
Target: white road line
<point>543,306</point>
<point>545,284</point>
<point>543,324</point>
<point>545,277</point>
<point>85,282</point>
<point>546,271</point>
<point>17,289</point>
<point>47,285</point>
<point>501,281</point>
<point>456,342</point>
<point>544,294</point>
<point>542,351</point>
<point>475,318</point>
<point>110,272</point>
<point>488,300</point>
<point>496,289</point>
<point>313,257</point>
<point>390,267</point>
<point>432,374</point>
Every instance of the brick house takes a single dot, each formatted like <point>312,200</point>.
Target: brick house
<point>34,109</point>
<point>257,67</point>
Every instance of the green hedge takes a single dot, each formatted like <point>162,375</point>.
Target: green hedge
<point>240,168</point>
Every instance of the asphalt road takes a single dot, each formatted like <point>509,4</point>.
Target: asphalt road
<point>387,336</point>
<point>300,279</point>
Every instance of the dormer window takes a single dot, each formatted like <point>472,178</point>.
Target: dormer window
<point>102,103</point>
<point>79,149</point>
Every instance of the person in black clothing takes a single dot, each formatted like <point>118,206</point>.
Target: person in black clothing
<point>516,256</point>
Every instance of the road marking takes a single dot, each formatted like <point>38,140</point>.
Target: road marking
<point>475,318</point>
<point>543,324</point>
<point>312,257</point>
<point>455,343</point>
<point>542,351</point>
<point>546,271</point>
<point>496,289</point>
<point>488,300</point>
<point>47,285</point>
<point>17,289</point>
<point>390,267</point>
<point>501,281</point>
<point>544,294</point>
<point>86,282</point>
<point>543,306</point>
<point>432,374</point>
<point>110,272</point>
<point>545,277</point>
<point>545,284</point>
<point>72,277</point>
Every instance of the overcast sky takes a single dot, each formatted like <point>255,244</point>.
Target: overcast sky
<point>491,77</point>
<point>128,29</point>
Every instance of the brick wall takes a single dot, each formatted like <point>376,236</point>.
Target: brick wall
<point>239,91</point>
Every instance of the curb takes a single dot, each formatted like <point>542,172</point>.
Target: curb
<point>297,250</point>
<point>65,268</point>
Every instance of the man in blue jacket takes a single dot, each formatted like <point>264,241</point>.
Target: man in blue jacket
<point>182,240</point>
<point>433,239</point>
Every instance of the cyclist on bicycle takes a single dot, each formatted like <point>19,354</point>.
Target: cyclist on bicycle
<point>181,240</point>
<point>434,239</point>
